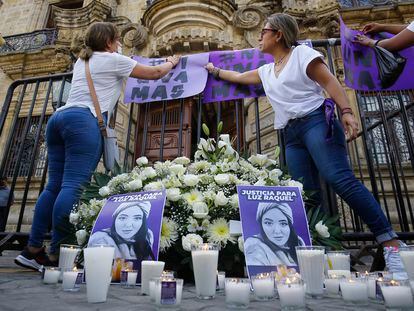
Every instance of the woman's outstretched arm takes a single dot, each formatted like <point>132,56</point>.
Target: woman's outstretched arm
<point>248,77</point>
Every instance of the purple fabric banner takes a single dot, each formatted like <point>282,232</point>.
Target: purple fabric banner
<point>188,78</point>
<point>361,67</point>
<point>273,223</point>
<point>130,222</point>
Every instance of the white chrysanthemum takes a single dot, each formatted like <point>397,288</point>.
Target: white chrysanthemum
<point>275,174</point>
<point>182,160</point>
<point>206,179</point>
<point>172,182</point>
<point>148,173</point>
<point>259,160</point>
<point>169,233</point>
<point>209,195</point>
<point>193,197</point>
<point>134,185</point>
<point>173,194</point>
<point>190,240</point>
<point>104,191</point>
<point>155,185</point>
<point>240,243</point>
<point>142,161</point>
<point>81,236</point>
<point>222,179</point>
<point>200,210</point>
<point>200,166</point>
<point>219,233</point>
<point>192,224</point>
<point>191,180</point>
<point>205,223</point>
<point>177,169</point>
<point>74,218</point>
<point>220,199</point>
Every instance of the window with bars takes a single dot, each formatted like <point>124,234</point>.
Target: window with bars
<point>19,140</point>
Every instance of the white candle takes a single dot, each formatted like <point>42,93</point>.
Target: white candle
<point>98,267</point>
<point>67,256</point>
<point>291,295</point>
<point>205,260</point>
<point>332,286</point>
<point>221,275</point>
<point>150,269</point>
<point>51,275</point>
<point>69,279</point>
<point>152,289</point>
<point>263,286</point>
<point>339,260</point>
<point>132,278</point>
<point>311,266</point>
<point>345,273</point>
<point>354,290</point>
<point>407,256</point>
<point>237,292</point>
<point>397,296</point>
<point>165,298</point>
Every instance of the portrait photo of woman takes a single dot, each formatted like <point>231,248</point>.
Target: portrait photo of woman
<point>276,241</point>
<point>129,233</point>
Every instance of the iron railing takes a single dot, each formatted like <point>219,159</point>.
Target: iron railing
<point>382,156</point>
<point>29,41</point>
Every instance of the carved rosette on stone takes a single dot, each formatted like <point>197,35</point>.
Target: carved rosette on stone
<point>134,36</point>
<point>251,19</point>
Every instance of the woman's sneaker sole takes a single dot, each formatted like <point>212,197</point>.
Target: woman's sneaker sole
<point>28,263</point>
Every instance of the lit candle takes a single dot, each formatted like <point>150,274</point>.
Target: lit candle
<point>311,265</point>
<point>98,267</point>
<point>263,286</point>
<point>67,256</point>
<point>291,293</point>
<point>339,260</point>
<point>332,284</point>
<point>354,290</point>
<point>221,275</point>
<point>205,260</point>
<point>237,292</point>
<point>152,288</point>
<point>69,279</point>
<point>167,291</point>
<point>51,275</point>
<point>132,277</point>
<point>397,294</point>
<point>344,273</point>
<point>150,269</point>
<point>407,256</point>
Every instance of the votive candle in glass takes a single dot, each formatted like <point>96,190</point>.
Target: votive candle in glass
<point>237,291</point>
<point>51,275</point>
<point>291,293</point>
<point>67,256</point>
<point>263,286</point>
<point>168,291</point>
<point>311,265</point>
<point>72,280</point>
<point>397,295</point>
<point>344,273</point>
<point>150,269</point>
<point>332,284</point>
<point>339,260</point>
<point>221,275</point>
<point>354,290</point>
<point>129,278</point>
<point>407,257</point>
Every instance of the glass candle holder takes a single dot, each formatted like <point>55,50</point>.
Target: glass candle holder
<point>205,260</point>
<point>168,274</point>
<point>354,290</point>
<point>397,295</point>
<point>291,293</point>
<point>67,256</point>
<point>150,269</point>
<point>407,257</point>
<point>72,279</point>
<point>129,278</point>
<point>152,288</point>
<point>332,282</point>
<point>51,275</point>
<point>237,291</point>
<point>311,265</point>
<point>263,286</point>
<point>168,292</point>
<point>339,260</point>
<point>221,276</point>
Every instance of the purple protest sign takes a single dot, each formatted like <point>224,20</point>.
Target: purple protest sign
<point>131,223</point>
<point>188,78</point>
<point>241,61</point>
<point>273,223</point>
<point>361,65</point>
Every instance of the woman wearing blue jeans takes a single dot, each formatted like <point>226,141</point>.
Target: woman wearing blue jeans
<point>73,138</point>
<point>294,86</point>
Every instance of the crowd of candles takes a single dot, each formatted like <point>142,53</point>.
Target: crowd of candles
<point>322,274</point>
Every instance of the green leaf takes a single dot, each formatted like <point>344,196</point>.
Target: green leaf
<point>277,152</point>
<point>101,179</point>
<point>206,130</point>
<point>315,217</point>
<point>220,127</point>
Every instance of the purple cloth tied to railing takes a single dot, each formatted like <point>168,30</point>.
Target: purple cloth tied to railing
<point>329,109</point>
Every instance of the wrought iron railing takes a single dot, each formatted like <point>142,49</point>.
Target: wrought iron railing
<point>367,3</point>
<point>29,41</point>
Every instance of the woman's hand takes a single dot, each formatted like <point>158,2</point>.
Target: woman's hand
<point>209,67</point>
<point>364,40</point>
<point>350,125</point>
<point>173,60</point>
<point>372,28</point>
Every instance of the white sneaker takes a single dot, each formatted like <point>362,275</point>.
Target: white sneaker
<point>394,263</point>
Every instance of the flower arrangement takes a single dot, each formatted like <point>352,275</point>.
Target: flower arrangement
<point>201,197</point>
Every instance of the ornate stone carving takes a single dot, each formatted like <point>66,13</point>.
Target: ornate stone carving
<point>134,36</point>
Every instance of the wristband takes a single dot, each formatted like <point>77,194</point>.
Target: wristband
<point>376,42</point>
<point>216,72</point>
<point>170,61</point>
<point>347,110</point>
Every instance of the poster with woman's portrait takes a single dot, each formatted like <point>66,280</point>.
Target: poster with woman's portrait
<point>131,223</point>
<point>273,223</point>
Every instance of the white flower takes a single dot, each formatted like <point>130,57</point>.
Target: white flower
<point>200,210</point>
<point>219,233</point>
<point>182,160</point>
<point>142,161</point>
<point>201,166</point>
<point>169,233</point>
<point>173,194</point>
<point>206,145</point>
<point>74,218</point>
<point>190,240</point>
<point>220,199</point>
<point>221,144</point>
<point>191,180</point>
<point>234,201</point>
<point>294,183</point>
<point>205,223</point>
<point>133,185</point>
<point>222,179</point>
<point>177,169</point>
<point>259,160</point>
<point>192,225</point>
<point>275,174</point>
<point>81,236</point>
<point>260,182</point>
<point>104,191</point>
<point>225,138</point>
<point>240,242</point>
<point>193,197</point>
<point>155,185</point>
<point>322,230</point>
<point>148,173</point>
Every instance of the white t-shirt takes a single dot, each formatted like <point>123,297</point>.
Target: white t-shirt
<point>108,71</point>
<point>411,26</point>
<point>292,94</point>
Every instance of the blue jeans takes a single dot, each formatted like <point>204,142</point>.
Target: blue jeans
<point>74,146</point>
<point>308,153</point>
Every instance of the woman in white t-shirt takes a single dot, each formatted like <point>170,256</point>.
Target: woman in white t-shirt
<point>404,36</point>
<point>74,141</point>
<point>294,86</point>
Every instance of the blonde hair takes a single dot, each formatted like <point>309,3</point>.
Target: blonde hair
<point>97,37</point>
<point>287,25</point>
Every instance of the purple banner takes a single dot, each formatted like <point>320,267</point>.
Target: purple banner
<point>188,78</point>
<point>273,223</point>
<point>131,223</point>
<point>361,65</point>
